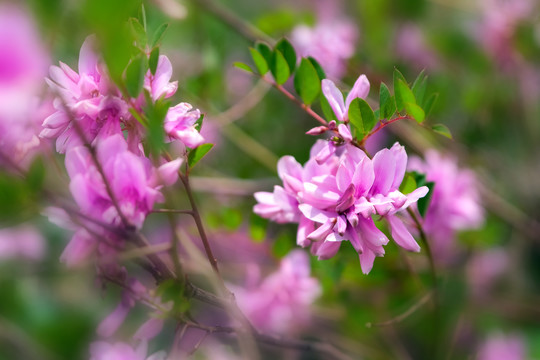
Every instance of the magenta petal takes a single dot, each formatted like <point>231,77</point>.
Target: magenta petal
<point>315,214</point>
<point>400,157</point>
<point>79,248</point>
<point>305,227</point>
<point>335,99</point>
<point>88,60</point>
<point>325,249</point>
<point>366,261</point>
<point>288,165</point>
<point>168,172</point>
<point>359,90</point>
<point>149,330</point>
<point>345,133</point>
<point>113,321</point>
<point>401,235</point>
<point>384,166</point>
<point>322,231</point>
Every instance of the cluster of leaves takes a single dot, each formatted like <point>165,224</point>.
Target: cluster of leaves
<point>282,63</point>
<point>408,101</point>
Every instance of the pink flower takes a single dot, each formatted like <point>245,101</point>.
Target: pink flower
<point>180,124</point>
<point>338,197</point>
<point>331,43</point>
<point>159,84</point>
<point>22,241</point>
<point>411,46</point>
<point>341,110</point>
<point>101,350</point>
<point>281,302</point>
<point>133,180</point>
<point>500,346</point>
<point>23,64</point>
<point>455,202</point>
<point>484,269</point>
<point>88,96</point>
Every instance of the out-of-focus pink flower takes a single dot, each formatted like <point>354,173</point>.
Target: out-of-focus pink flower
<point>101,350</point>
<point>500,20</point>
<point>411,46</point>
<point>330,42</point>
<point>134,182</point>
<point>91,99</point>
<point>87,96</point>
<point>335,200</point>
<point>23,65</point>
<point>499,346</point>
<point>280,303</point>
<point>484,269</point>
<point>455,202</point>
<point>23,241</point>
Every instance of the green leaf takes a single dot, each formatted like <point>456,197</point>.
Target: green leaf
<point>259,61</point>
<point>242,66</point>
<point>138,32</point>
<point>265,51</point>
<point>361,116</point>
<point>415,111</point>
<point>257,228</point>
<point>153,60</point>
<point>408,185</point>
<point>306,82</point>
<point>135,75</point>
<point>428,106</point>
<point>279,68</point>
<point>317,67</point>
<point>419,88</point>
<point>387,102</point>
<point>232,218</point>
<point>158,35</point>
<point>442,129</point>
<point>327,109</point>
<point>198,153</point>
<point>403,94</point>
<point>156,113</point>
<point>423,203</point>
<point>398,76</point>
<point>287,50</point>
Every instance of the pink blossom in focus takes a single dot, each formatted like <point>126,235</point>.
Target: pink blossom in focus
<point>499,346</point>
<point>280,303</point>
<point>23,241</point>
<point>101,350</point>
<point>335,200</point>
<point>23,65</point>
<point>455,203</point>
<point>340,107</point>
<point>331,42</point>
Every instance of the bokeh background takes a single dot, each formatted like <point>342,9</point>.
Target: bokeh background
<point>482,57</point>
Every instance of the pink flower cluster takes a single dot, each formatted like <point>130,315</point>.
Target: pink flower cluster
<point>91,99</point>
<point>455,203</point>
<point>23,64</point>
<point>335,200</point>
<point>115,186</point>
<point>281,302</point>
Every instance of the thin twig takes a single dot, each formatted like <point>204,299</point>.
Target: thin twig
<point>405,314</point>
